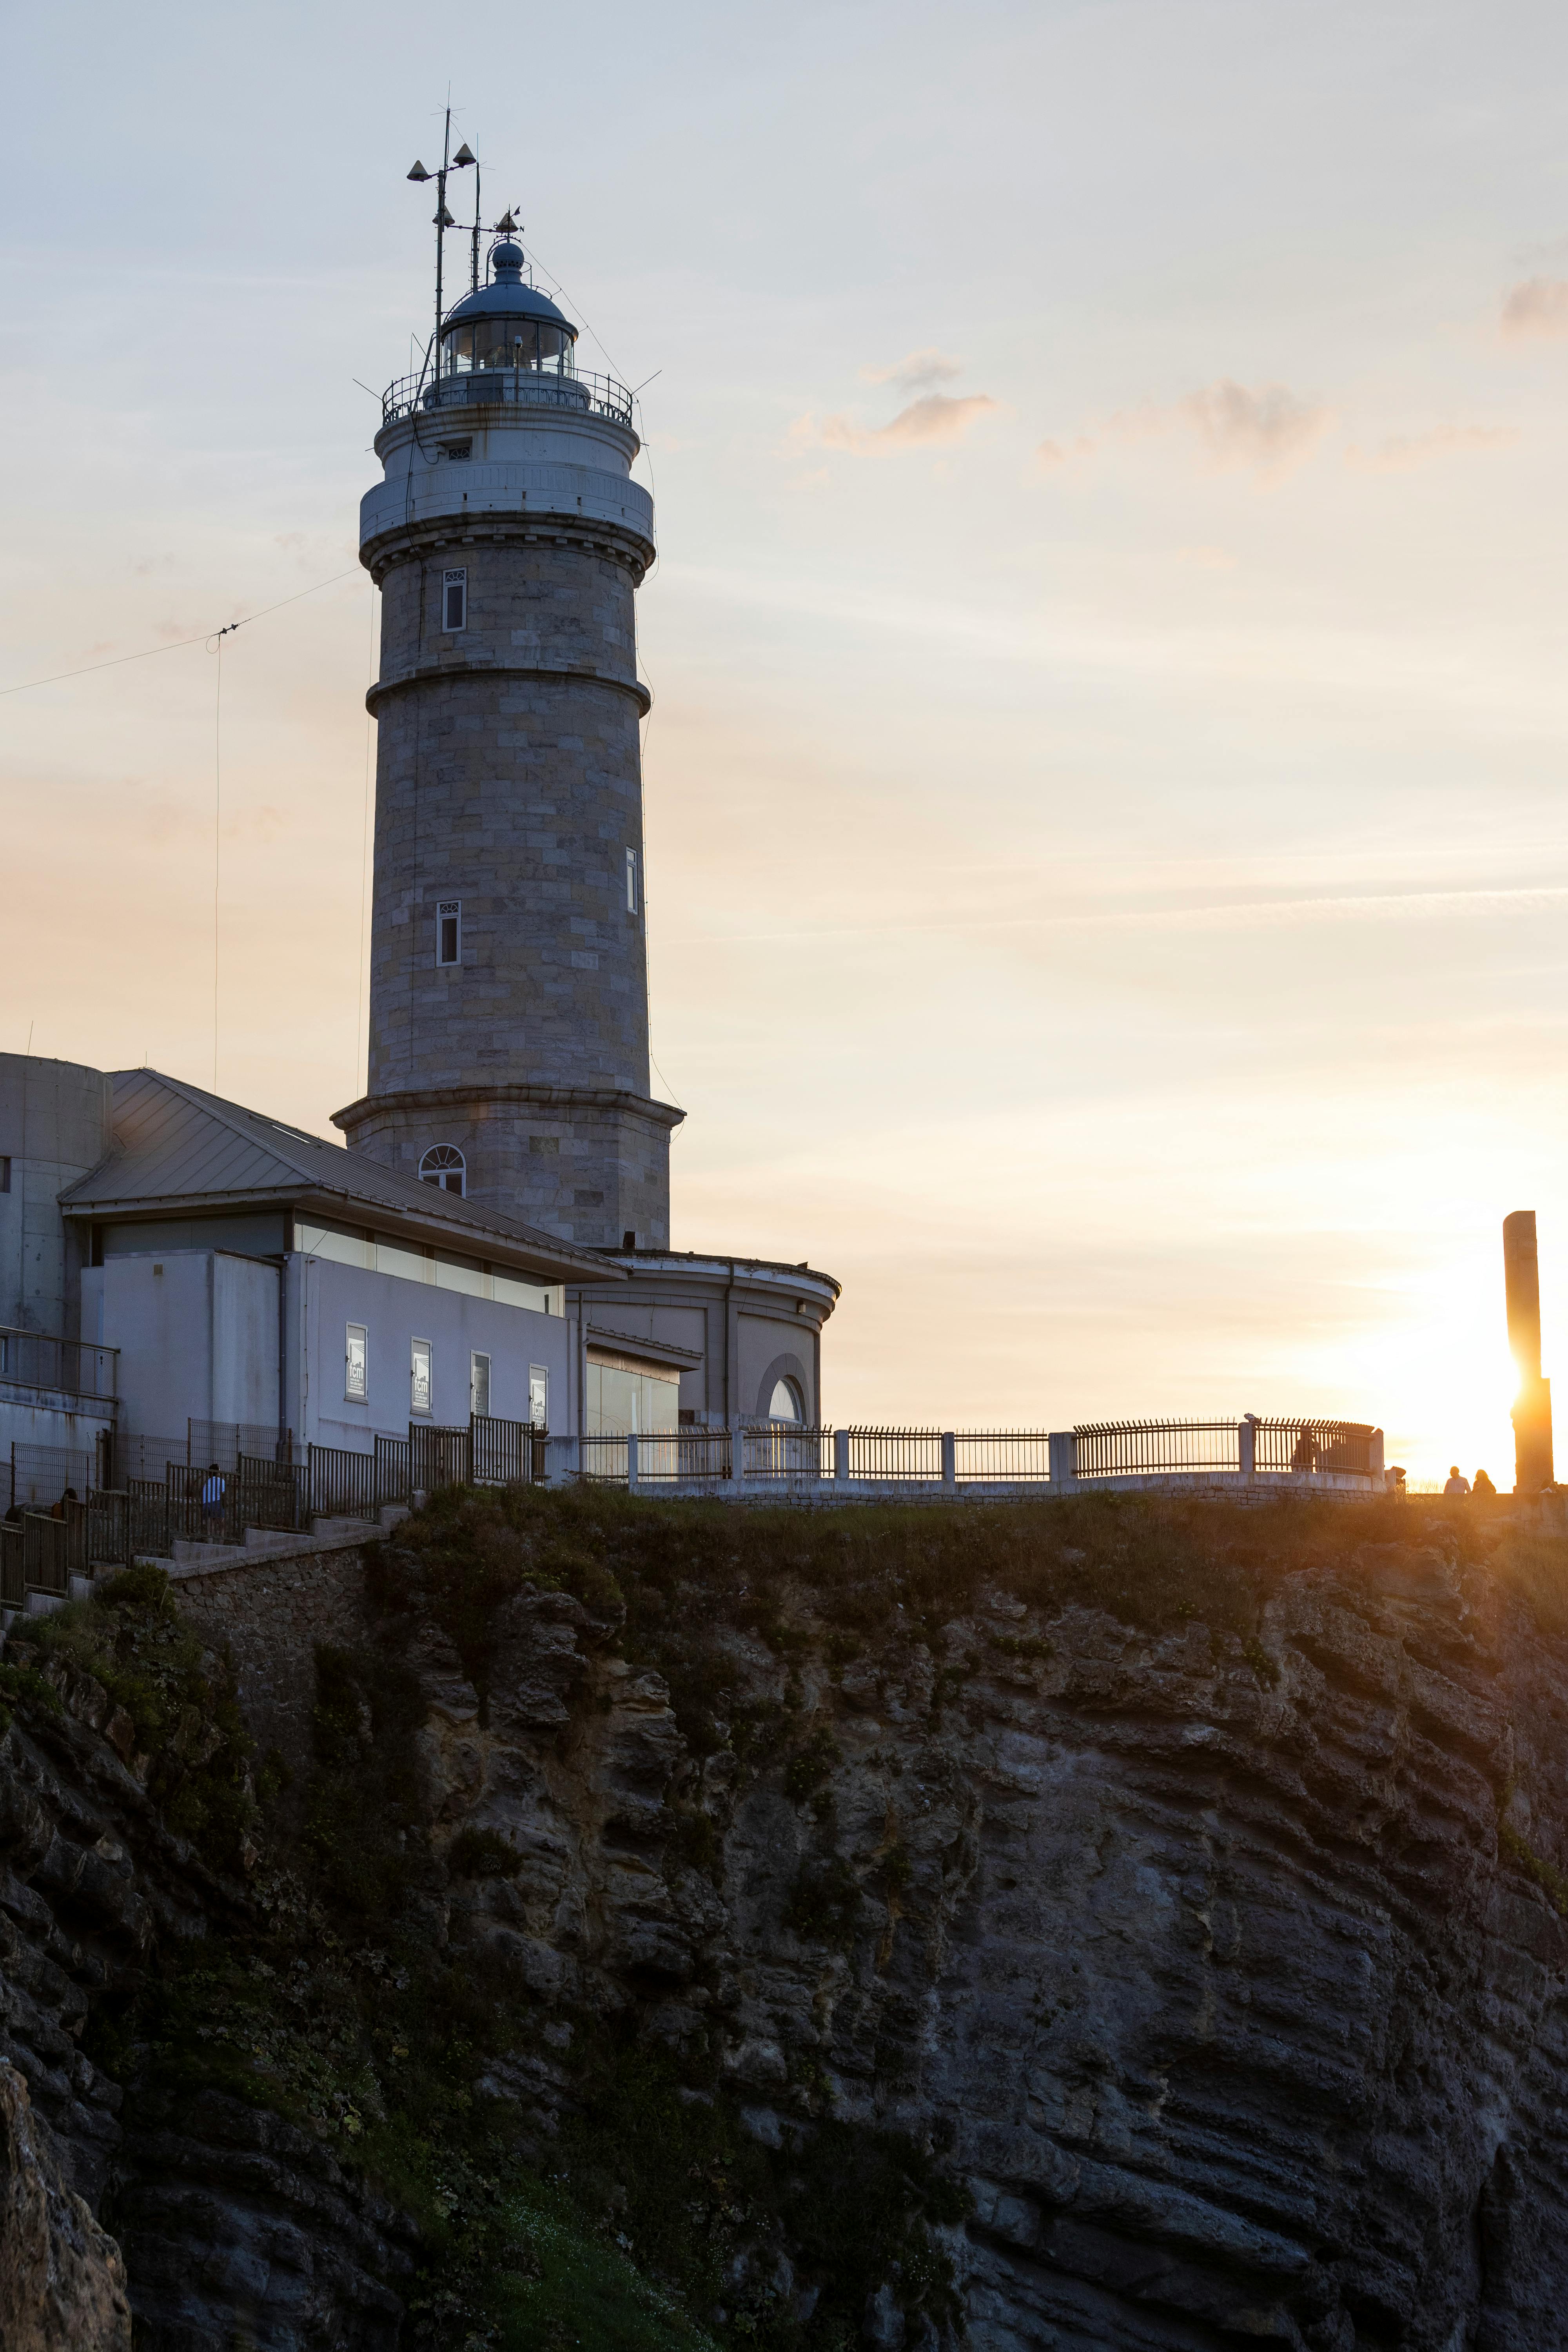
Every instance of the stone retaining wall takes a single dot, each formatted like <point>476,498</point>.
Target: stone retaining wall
<point>271,1612</point>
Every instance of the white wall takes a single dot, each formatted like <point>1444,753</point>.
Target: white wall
<point>395,1312</point>
<point>197,1334</point>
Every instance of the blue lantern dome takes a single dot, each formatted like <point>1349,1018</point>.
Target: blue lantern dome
<point>506,324</point>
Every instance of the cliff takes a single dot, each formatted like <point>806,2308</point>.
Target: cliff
<point>1077,1926</point>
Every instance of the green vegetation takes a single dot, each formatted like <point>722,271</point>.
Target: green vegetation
<point>179,1703</point>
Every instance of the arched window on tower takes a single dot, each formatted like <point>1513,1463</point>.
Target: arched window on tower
<point>786,1402</point>
<point>444,1165</point>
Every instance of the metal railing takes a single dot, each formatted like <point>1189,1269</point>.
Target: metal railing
<point>522,387</point>
<point>1144,1449</point>
<point>36,1360</point>
<point>1320,1445</point>
<point>392,1483</point>
<point>342,1484</point>
<point>13,1575</point>
<point>224,1441</point>
<point>41,1473</point>
<point>1001,1457</point>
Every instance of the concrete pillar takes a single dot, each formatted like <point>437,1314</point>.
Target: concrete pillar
<point>632,1463</point>
<point>950,1461</point>
<point>841,1457</point>
<point>1374,1458</point>
<point>1532,1406</point>
<point>1063,1458</point>
<point>1247,1445</point>
<point>737,1456</point>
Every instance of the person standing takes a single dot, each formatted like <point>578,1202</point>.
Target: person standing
<point>212,1502</point>
<point>1457,1483</point>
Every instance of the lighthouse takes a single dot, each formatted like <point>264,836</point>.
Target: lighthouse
<point>508,1031</point>
<point>509,1021</point>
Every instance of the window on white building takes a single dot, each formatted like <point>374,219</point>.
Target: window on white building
<point>421,1375</point>
<point>356,1375</point>
<point>4,1171</point>
<point>480,1385</point>
<point>448,932</point>
<point>631,881</point>
<point>539,1396</point>
<point>445,1167</point>
<point>454,599</point>
<point>786,1403</point>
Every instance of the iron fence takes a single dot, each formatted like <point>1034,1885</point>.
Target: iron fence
<point>912,1456</point>
<point>224,1441</point>
<point>270,1494</point>
<point>1145,1449</point>
<point>505,1452</point>
<point>1006,1457</point>
<point>605,1460</point>
<point>342,1484</point>
<point>1323,1446</point>
<point>393,1483</point>
<point>12,1576</point>
<point>44,1474</point>
<point>144,1458</point>
<point>53,1549</point>
<point>35,1360</point>
<point>695,1456</point>
<point>109,1529</point>
<point>783,1450</point>
<point>438,1458</point>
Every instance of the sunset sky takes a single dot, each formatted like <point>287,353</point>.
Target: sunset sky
<point>1108,876</point>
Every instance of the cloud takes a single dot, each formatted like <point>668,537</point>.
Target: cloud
<point>1271,430</point>
<point>1537,308</point>
<point>938,419</point>
<point>916,369</point>
<point>1404,450</point>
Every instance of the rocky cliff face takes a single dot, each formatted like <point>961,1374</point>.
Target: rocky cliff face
<point>1147,1925</point>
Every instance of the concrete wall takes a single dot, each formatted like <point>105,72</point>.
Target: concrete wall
<point>198,1336</point>
<point>327,1297</point>
<point>53,1418</point>
<point>754,1321</point>
<point>54,1127</point>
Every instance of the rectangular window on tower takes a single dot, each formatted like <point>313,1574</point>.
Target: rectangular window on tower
<point>480,1385</point>
<point>631,881</point>
<point>421,1375</point>
<point>450,931</point>
<point>356,1384</point>
<point>455,598</point>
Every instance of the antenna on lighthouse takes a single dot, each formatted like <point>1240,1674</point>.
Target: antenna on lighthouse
<point>443,219</point>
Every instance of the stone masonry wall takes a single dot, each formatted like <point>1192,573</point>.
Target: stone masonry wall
<point>520,796</point>
<point>271,1614</point>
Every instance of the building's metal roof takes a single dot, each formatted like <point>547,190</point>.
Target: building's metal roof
<point>506,297</point>
<point>177,1149</point>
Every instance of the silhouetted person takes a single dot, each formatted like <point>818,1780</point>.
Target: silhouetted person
<point>59,1510</point>
<point>1305,1457</point>
<point>212,1498</point>
<point>1483,1485</point>
<point>1457,1483</point>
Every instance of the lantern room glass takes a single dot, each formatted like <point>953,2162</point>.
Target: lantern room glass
<point>536,345</point>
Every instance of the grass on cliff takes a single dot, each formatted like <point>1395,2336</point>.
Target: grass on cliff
<point>172,1702</point>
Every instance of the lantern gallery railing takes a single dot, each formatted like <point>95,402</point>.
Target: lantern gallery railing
<point>522,388</point>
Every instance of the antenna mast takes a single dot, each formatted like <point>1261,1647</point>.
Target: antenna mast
<point>444,220</point>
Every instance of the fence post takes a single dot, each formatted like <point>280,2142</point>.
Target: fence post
<point>949,1462</point>
<point>1374,1458</point>
<point>1247,1445</point>
<point>632,1462</point>
<point>841,1457</point>
<point>1063,1448</point>
<point>737,1455</point>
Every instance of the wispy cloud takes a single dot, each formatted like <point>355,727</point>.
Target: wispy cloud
<point>916,369</point>
<point>1537,308</point>
<point>1404,450</point>
<point>939,418</point>
<point>1269,431</point>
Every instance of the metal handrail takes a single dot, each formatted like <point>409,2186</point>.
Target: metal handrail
<point>597,395</point>
<point>37,1359</point>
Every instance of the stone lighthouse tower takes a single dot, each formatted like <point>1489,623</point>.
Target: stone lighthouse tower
<point>509,1053</point>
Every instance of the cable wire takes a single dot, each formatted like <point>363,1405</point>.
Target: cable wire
<point>207,637</point>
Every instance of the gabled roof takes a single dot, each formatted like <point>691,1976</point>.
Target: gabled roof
<point>178,1149</point>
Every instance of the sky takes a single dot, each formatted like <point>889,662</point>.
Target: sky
<point>1107,874</point>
